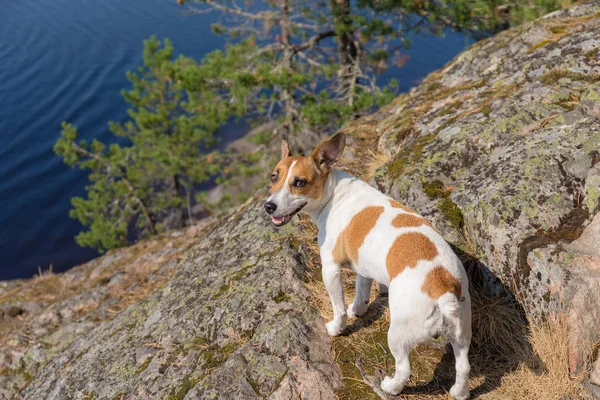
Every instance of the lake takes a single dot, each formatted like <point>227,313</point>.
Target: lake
<point>66,60</point>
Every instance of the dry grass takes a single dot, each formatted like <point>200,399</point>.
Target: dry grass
<point>375,160</point>
<point>511,357</point>
<point>548,376</point>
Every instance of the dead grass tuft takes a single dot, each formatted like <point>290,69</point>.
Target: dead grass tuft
<point>375,160</point>
<point>545,374</point>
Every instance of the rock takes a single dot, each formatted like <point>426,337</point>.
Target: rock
<point>176,234</point>
<point>592,187</point>
<point>105,262</point>
<point>595,375</point>
<point>30,307</point>
<point>48,317</point>
<point>73,277</point>
<point>500,150</point>
<point>218,328</point>
<point>578,167</point>
<point>144,355</point>
<point>215,194</point>
<point>40,332</point>
<point>594,389</point>
<point>117,280</point>
<point>14,311</point>
<point>66,313</point>
<point>67,333</point>
<point>589,241</point>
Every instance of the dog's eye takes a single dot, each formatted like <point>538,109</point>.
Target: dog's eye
<point>274,178</point>
<point>299,182</point>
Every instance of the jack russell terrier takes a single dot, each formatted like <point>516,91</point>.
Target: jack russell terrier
<point>378,238</point>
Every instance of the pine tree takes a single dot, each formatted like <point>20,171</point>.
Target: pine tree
<point>313,64</point>
<point>146,185</point>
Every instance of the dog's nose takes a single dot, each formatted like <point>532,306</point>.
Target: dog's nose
<point>270,207</point>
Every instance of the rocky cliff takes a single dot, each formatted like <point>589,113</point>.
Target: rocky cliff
<point>499,149</point>
<point>232,321</point>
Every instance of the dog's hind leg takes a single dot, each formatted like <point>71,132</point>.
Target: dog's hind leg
<point>359,306</point>
<point>401,348</point>
<point>407,329</point>
<point>460,342</point>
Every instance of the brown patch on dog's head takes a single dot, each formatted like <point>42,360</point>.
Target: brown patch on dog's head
<point>309,174</point>
<point>439,281</point>
<point>280,173</point>
<point>395,204</point>
<point>408,220</point>
<point>350,240</point>
<point>408,249</point>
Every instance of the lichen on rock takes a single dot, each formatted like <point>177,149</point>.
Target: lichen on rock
<point>231,322</point>
<point>499,149</point>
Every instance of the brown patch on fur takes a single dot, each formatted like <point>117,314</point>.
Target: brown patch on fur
<point>395,204</point>
<point>408,249</point>
<point>350,240</point>
<point>308,171</point>
<point>304,169</point>
<point>282,169</point>
<point>407,220</point>
<point>438,282</point>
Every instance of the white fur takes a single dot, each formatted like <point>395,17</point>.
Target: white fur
<point>415,317</point>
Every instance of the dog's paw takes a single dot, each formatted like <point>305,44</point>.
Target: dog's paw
<point>388,385</point>
<point>459,393</point>
<point>335,327</point>
<point>355,311</point>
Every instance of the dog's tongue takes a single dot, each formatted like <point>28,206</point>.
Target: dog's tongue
<point>279,221</point>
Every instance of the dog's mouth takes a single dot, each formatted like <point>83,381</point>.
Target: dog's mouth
<point>281,221</point>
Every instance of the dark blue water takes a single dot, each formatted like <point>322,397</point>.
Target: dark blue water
<point>66,60</point>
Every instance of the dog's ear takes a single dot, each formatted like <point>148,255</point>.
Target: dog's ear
<point>329,152</point>
<point>285,149</point>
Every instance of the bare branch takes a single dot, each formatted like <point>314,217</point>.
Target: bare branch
<point>370,381</point>
<point>313,41</point>
<point>236,10</point>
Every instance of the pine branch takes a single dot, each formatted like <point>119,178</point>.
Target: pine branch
<point>123,172</point>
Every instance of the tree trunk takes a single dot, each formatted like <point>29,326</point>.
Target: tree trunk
<point>287,96</point>
<point>346,47</point>
<point>176,188</point>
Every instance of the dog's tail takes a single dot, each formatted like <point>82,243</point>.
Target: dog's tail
<point>445,313</point>
<point>452,310</point>
<point>449,305</point>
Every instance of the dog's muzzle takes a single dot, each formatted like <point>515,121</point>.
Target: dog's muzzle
<point>280,220</point>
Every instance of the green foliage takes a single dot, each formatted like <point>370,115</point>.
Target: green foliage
<point>475,15</point>
<point>315,63</point>
<point>147,186</point>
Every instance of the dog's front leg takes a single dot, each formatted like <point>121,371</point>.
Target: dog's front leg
<point>332,277</point>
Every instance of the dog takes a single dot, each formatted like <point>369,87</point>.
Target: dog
<point>381,240</point>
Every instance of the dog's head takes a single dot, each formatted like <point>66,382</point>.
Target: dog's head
<point>299,182</point>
